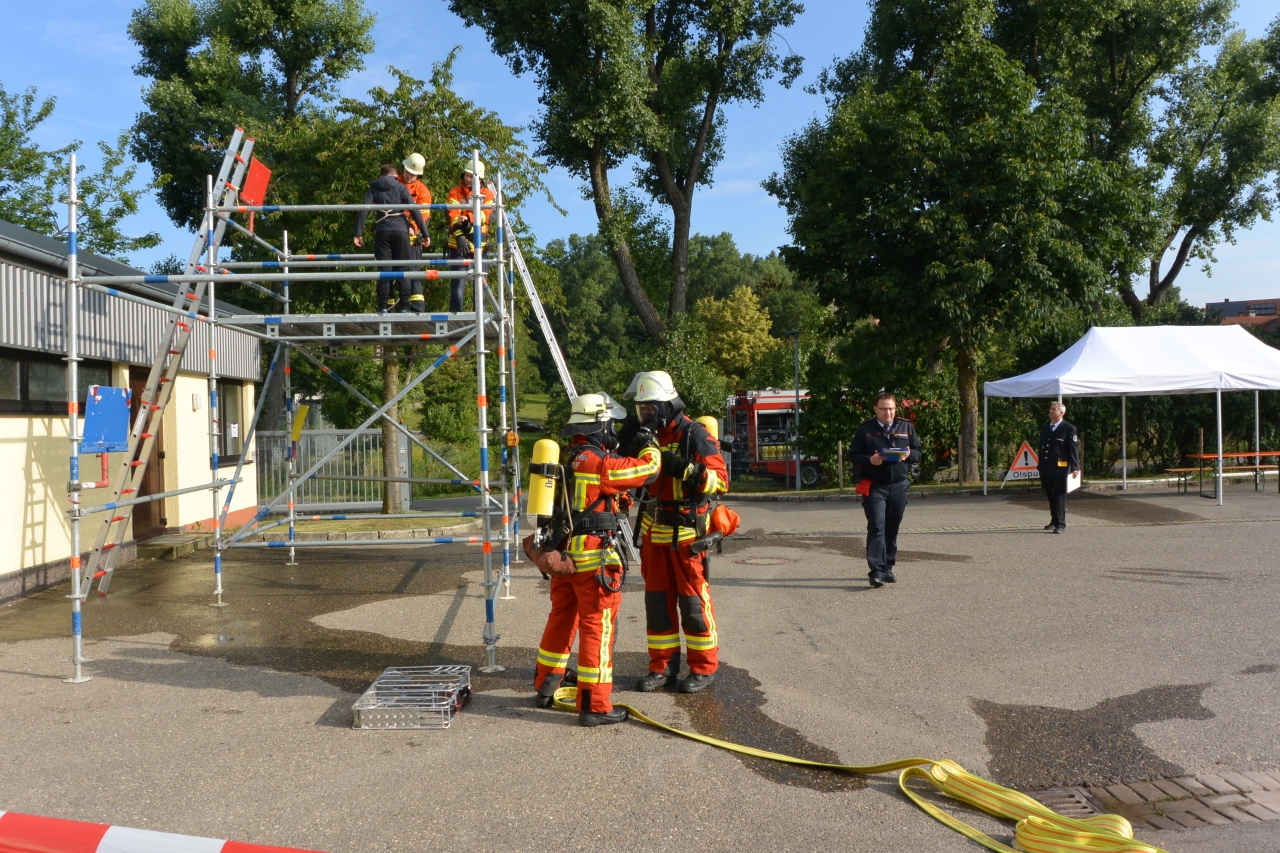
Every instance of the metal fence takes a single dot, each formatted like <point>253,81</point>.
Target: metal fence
<point>361,458</point>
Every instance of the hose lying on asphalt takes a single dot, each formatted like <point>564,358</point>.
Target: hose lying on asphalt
<point>1039,829</point>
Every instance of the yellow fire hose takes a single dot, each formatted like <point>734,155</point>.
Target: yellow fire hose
<point>1039,829</point>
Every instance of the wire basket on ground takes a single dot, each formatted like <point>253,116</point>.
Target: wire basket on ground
<point>413,697</point>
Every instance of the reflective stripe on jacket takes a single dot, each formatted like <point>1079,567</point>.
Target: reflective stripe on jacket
<point>703,450</point>
<point>598,474</point>
<point>462,195</point>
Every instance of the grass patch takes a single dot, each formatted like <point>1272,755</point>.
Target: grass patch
<point>533,407</point>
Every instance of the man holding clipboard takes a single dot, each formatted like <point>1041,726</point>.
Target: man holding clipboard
<point>884,449</point>
<point>1059,460</point>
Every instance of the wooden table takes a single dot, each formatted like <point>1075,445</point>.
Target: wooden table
<point>1259,470</point>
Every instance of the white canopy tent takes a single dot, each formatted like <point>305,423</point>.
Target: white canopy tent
<point>1145,360</point>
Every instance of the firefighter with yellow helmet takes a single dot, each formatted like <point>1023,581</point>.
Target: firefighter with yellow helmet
<point>576,546</point>
<point>677,594</point>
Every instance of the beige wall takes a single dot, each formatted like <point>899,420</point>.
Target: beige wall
<point>34,472</point>
<point>190,465</point>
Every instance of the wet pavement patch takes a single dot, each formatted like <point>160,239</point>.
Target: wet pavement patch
<point>853,547</point>
<point>731,710</point>
<point>1259,669</point>
<point>1165,577</point>
<point>269,625</point>
<point>1130,510</point>
<point>1035,746</point>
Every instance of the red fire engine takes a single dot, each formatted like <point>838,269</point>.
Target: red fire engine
<point>762,424</point>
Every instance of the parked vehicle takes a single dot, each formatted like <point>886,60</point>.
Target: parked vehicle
<point>762,425</point>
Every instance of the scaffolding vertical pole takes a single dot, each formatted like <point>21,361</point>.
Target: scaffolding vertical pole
<point>503,401</point>
<point>985,398</point>
<point>71,326</point>
<point>1124,443</point>
<point>507,273</point>
<point>482,404</point>
<point>211,263</point>
<point>288,421</point>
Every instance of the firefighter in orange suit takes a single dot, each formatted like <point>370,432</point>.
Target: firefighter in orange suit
<point>462,229</point>
<point>411,298</point>
<point>596,482</point>
<point>677,594</point>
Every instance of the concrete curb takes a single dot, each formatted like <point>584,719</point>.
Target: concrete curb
<point>993,489</point>
<point>281,535</point>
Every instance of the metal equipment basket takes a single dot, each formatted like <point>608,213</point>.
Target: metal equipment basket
<point>413,697</point>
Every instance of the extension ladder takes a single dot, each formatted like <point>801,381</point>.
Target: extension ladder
<point>164,370</point>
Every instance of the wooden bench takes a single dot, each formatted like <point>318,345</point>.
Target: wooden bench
<point>1258,472</point>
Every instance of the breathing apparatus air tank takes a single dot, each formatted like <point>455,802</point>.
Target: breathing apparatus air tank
<point>542,478</point>
<point>712,425</point>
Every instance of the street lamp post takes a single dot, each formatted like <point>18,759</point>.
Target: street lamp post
<point>794,334</point>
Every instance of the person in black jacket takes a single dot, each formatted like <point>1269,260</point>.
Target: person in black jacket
<point>886,498</point>
<point>390,231</point>
<point>1059,457</point>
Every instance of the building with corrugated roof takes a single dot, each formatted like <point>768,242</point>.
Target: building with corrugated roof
<point>118,341</point>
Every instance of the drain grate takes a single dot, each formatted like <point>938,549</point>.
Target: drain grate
<point>1068,802</point>
<point>413,697</point>
<point>763,561</point>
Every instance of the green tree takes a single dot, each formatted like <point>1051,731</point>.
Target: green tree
<point>737,332</point>
<point>33,182</point>
<point>1173,99</point>
<point>649,79</point>
<point>950,202</point>
<point>217,64</point>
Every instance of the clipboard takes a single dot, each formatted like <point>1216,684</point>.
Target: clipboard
<point>1073,481</point>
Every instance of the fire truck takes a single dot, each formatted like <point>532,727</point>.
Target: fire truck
<point>762,425</point>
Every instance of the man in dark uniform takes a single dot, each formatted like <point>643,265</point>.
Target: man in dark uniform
<point>1059,457</point>
<point>885,500</point>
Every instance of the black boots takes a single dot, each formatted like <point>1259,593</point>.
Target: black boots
<point>590,720</point>
<point>546,697</point>
<point>651,682</point>
<point>692,683</point>
<point>617,715</point>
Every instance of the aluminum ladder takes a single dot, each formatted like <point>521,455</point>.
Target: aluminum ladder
<point>158,393</point>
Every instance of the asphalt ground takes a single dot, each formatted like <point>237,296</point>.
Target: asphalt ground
<point>1142,643</point>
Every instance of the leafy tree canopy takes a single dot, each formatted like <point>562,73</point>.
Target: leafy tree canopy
<point>33,182</point>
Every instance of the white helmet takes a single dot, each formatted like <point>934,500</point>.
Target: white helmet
<point>651,386</point>
<point>415,164</point>
<point>467,167</point>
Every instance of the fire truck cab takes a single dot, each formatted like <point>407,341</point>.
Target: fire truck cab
<point>762,424</point>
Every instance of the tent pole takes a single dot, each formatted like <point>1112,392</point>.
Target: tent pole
<point>1257,435</point>
<point>984,441</point>
<point>1219,447</point>
<point>1124,444</point>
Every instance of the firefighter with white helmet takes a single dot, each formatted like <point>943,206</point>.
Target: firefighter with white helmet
<point>677,594</point>
<point>576,545</point>
<point>462,228</point>
<point>411,298</point>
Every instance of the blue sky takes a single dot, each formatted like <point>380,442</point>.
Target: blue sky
<point>78,52</point>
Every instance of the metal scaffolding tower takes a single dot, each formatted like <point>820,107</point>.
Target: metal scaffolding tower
<point>439,337</point>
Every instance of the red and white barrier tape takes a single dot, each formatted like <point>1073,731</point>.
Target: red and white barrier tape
<point>21,833</point>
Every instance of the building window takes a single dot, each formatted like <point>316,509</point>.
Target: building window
<point>33,383</point>
<point>230,420</point>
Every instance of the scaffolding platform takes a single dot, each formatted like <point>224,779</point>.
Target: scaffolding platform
<point>355,329</point>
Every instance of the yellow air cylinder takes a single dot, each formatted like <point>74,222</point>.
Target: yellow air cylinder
<point>542,488</point>
<point>712,425</point>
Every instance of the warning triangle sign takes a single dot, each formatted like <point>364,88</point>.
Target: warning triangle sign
<point>1024,465</point>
